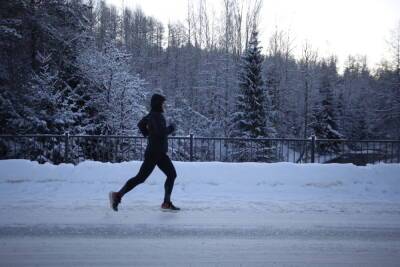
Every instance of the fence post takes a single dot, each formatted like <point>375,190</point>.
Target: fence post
<point>191,147</point>
<point>312,148</point>
<point>66,147</point>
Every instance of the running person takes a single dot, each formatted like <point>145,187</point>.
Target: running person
<point>153,126</point>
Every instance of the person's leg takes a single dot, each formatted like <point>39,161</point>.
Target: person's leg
<point>147,167</point>
<point>166,166</point>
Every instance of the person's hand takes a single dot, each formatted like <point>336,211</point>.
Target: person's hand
<point>172,126</point>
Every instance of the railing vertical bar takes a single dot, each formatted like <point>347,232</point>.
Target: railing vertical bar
<point>99,153</point>
<point>197,146</point>
<point>226,151</point>
<point>15,149</point>
<point>386,150</point>
<point>206,150</point>
<point>110,149</point>
<point>294,151</point>
<point>7,141</point>
<point>194,143</point>
<point>313,145</point>
<point>34,146</point>
<point>256,151</point>
<point>220,147</point>
<point>306,151</point>
<point>251,158</point>
<point>172,148</point>
<point>128,150</point>
<point>191,147</point>
<point>362,148</point>
<point>11,145</point>
<point>66,147</point>
<point>203,150</point>
<point>316,147</point>
<point>104,152</point>
<point>214,149</point>
<point>391,153</point>
<point>342,152</point>
<point>141,148</point>
<point>281,150</point>
<point>113,142</point>
<point>120,149</point>
<point>287,151</point>
<point>116,158</point>
<point>209,152</point>
<point>135,148</point>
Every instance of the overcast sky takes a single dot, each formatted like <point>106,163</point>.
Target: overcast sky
<point>341,27</point>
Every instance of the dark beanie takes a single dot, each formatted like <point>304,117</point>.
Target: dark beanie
<point>156,102</point>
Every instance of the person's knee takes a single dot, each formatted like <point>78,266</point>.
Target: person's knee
<point>141,180</point>
<point>138,180</point>
<point>171,178</point>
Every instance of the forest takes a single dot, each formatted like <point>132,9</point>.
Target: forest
<point>85,67</point>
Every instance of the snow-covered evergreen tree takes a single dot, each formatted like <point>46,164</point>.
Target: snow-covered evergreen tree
<point>279,70</point>
<point>51,112</point>
<point>324,122</point>
<point>249,118</point>
<point>357,100</point>
<point>387,119</point>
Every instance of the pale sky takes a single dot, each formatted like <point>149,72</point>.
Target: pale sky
<point>340,27</point>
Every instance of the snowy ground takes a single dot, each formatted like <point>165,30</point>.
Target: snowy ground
<point>233,214</point>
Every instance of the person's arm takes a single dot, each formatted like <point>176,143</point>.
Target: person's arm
<point>143,126</point>
<point>171,129</point>
<point>157,126</point>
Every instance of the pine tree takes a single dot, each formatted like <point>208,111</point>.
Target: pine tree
<point>249,120</point>
<point>324,120</point>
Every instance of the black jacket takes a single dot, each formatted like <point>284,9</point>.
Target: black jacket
<point>154,127</point>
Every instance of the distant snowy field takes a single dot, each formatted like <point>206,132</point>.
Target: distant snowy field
<point>233,214</point>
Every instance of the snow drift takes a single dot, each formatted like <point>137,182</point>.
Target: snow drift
<point>89,182</point>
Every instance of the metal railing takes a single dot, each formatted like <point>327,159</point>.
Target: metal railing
<point>113,148</point>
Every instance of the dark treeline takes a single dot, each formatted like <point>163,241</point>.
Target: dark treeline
<point>88,68</point>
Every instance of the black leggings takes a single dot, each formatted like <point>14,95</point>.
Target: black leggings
<point>150,161</point>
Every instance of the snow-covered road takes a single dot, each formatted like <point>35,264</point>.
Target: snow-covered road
<point>232,215</point>
<point>82,251</point>
<point>189,239</point>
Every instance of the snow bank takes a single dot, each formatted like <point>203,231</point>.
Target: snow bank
<point>23,180</point>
